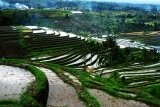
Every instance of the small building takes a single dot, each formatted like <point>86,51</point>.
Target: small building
<point>76,12</point>
<point>90,69</point>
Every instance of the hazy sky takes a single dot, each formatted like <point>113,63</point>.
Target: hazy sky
<point>133,1</point>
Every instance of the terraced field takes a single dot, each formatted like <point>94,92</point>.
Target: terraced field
<point>58,61</point>
<point>138,78</point>
<point>60,93</point>
<point>13,81</point>
<point>64,48</point>
<point>69,49</point>
<point>9,42</point>
<point>149,38</point>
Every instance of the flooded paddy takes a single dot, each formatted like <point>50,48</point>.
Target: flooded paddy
<point>13,81</point>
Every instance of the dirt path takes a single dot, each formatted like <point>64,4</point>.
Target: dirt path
<point>107,100</point>
<point>60,93</point>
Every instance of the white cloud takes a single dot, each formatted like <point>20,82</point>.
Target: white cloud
<point>21,6</point>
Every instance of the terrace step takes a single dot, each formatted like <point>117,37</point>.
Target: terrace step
<point>58,58</point>
<point>107,100</point>
<point>13,82</point>
<point>60,93</point>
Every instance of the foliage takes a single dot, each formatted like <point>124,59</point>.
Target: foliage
<point>154,90</point>
<point>21,40</point>
<point>38,91</point>
<point>109,53</point>
<point>13,17</point>
<point>81,90</point>
<point>95,23</point>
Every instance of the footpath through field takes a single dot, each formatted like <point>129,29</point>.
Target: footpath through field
<point>60,93</point>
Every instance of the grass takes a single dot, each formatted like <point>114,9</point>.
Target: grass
<point>9,103</point>
<point>148,98</point>
<point>38,89</point>
<point>51,51</point>
<point>117,88</point>
<point>23,29</point>
<point>98,83</point>
<point>34,96</point>
<point>21,40</point>
<point>112,85</point>
<point>153,90</point>
<point>82,91</point>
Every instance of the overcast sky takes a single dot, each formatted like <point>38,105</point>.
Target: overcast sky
<point>133,1</point>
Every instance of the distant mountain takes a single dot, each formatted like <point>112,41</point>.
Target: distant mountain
<point>75,4</point>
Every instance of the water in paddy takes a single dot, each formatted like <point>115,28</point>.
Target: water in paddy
<point>150,40</point>
<point>13,81</point>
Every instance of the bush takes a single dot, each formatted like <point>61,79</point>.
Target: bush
<point>154,90</point>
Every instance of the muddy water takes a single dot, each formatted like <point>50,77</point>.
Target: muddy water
<point>13,81</point>
<point>107,100</point>
<point>60,93</point>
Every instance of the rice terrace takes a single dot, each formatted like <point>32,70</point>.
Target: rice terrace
<point>77,53</point>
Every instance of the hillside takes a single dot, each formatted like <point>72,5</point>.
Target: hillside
<point>72,70</point>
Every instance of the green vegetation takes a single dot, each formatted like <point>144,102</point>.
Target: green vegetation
<point>112,55</point>
<point>111,85</point>
<point>81,90</point>
<point>66,54</point>
<point>95,23</point>
<point>21,40</point>
<point>59,13</point>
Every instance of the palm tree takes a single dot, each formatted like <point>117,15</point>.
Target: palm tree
<point>109,52</point>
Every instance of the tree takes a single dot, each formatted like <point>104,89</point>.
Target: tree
<point>110,53</point>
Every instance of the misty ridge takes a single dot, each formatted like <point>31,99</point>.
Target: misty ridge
<point>75,5</point>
